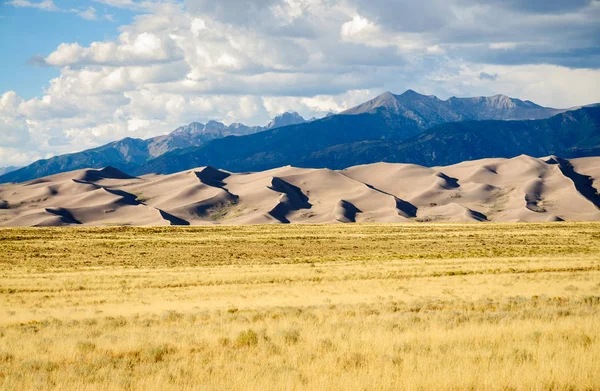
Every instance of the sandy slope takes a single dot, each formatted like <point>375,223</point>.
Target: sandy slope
<point>518,189</point>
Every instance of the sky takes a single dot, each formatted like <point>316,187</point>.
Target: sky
<point>78,74</point>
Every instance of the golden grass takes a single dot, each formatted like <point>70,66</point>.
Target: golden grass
<point>354,307</point>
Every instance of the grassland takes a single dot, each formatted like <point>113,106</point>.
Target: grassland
<point>353,307</point>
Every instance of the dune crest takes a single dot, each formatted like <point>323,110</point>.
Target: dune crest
<point>506,190</point>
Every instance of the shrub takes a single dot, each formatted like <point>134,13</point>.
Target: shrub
<point>355,361</point>
<point>291,337</point>
<point>224,341</point>
<point>247,338</point>
<point>86,347</point>
<point>6,357</point>
<point>158,353</point>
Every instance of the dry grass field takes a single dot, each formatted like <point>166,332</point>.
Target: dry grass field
<point>352,307</point>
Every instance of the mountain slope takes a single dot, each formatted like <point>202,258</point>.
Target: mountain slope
<point>6,170</point>
<point>280,146</point>
<point>128,151</point>
<point>196,134</point>
<point>285,119</point>
<point>340,141</point>
<point>571,134</point>
<point>518,189</point>
<point>119,154</point>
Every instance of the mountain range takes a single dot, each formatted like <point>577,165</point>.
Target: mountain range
<point>427,110</point>
<point>409,127</point>
<point>196,134</point>
<point>384,130</point>
<point>131,152</point>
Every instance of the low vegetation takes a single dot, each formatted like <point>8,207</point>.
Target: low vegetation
<point>353,307</point>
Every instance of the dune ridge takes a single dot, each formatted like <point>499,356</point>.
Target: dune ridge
<point>521,189</point>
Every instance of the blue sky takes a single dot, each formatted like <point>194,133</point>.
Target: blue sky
<point>78,74</point>
<point>26,32</point>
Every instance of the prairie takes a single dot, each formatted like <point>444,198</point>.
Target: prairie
<point>311,307</point>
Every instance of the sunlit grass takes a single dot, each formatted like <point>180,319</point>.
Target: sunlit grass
<point>457,306</point>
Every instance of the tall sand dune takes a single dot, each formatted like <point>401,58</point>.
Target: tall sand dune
<point>506,190</point>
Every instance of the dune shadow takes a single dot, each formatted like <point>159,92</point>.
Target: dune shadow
<point>451,183</point>
<point>64,214</point>
<point>174,220</point>
<point>583,183</point>
<point>293,199</point>
<point>212,176</point>
<point>346,212</point>
<point>404,208</point>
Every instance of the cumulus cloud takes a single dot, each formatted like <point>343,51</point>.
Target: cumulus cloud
<point>131,49</point>
<point>488,76</point>
<point>549,85</point>
<point>13,128</point>
<point>357,26</point>
<point>14,132</point>
<point>198,60</point>
<point>88,14</point>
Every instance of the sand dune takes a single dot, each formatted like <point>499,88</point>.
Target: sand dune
<point>509,190</point>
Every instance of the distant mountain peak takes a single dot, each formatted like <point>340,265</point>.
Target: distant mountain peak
<point>285,119</point>
<point>199,128</point>
<point>502,101</point>
<point>288,114</point>
<point>414,95</point>
<point>395,103</point>
<point>411,93</point>
<point>387,100</point>
<point>212,126</point>
<point>194,127</point>
<point>386,95</point>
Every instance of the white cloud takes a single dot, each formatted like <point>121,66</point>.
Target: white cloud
<point>132,49</point>
<point>357,26</point>
<point>549,85</point>
<point>317,106</point>
<point>503,45</point>
<point>65,54</point>
<point>435,49</point>
<point>9,103</point>
<point>47,5</point>
<point>14,132</point>
<point>88,14</point>
<point>17,156</point>
<point>144,5</point>
<point>289,10</point>
<point>198,25</point>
